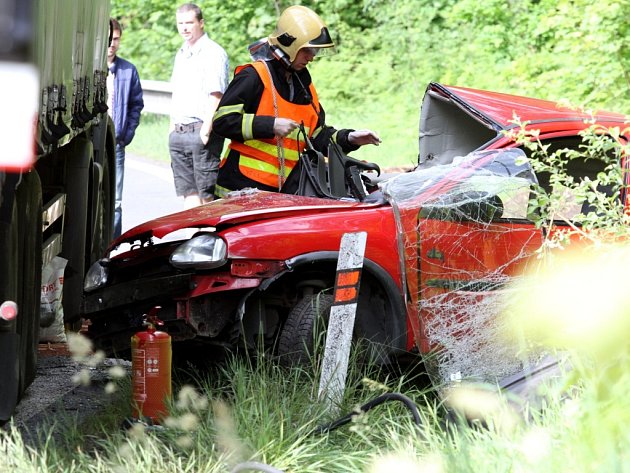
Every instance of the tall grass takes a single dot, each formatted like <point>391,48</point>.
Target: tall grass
<point>259,411</point>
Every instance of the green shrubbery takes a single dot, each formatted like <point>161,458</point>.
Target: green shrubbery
<point>388,51</point>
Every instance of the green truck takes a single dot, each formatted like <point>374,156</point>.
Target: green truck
<point>57,167</point>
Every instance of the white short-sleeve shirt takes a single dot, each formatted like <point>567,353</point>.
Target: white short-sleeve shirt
<point>199,71</point>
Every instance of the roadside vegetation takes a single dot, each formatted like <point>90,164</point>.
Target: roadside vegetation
<point>388,51</point>
<point>262,413</point>
<point>251,409</point>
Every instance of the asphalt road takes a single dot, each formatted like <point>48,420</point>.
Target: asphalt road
<point>148,191</point>
<point>55,399</point>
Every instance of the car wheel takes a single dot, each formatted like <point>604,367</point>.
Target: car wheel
<point>303,328</point>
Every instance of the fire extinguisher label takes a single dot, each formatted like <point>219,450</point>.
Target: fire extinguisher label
<point>139,380</point>
<point>152,363</point>
<point>145,365</point>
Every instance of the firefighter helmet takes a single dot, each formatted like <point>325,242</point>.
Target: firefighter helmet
<point>300,27</point>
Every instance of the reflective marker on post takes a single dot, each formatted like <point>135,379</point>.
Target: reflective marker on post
<point>341,323</point>
<point>347,286</point>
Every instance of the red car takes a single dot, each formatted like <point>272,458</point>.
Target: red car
<point>442,241</point>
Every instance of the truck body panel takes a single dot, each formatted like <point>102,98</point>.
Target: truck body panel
<point>56,168</point>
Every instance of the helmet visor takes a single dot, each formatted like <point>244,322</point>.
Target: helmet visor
<point>319,51</point>
<point>323,40</point>
<point>322,45</point>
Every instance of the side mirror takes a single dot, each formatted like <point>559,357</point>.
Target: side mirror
<point>486,209</point>
<point>472,206</point>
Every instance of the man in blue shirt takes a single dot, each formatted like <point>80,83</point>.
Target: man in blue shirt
<point>125,104</point>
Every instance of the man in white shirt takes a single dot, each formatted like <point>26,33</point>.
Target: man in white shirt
<point>200,76</point>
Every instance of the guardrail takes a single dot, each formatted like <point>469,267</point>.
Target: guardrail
<point>157,96</point>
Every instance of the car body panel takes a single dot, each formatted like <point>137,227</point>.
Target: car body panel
<point>486,258</point>
<point>446,257</point>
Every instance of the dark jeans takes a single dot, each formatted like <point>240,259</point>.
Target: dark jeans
<point>120,177</point>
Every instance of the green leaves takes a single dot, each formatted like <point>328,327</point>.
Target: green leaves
<point>389,50</point>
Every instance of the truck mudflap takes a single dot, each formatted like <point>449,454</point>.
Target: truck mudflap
<point>9,373</point>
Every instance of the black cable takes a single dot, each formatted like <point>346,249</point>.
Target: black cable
<point>302,131</point>
<point>307,93</point>
<point>409,404</point>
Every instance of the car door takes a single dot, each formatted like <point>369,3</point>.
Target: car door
<point>466,236</point>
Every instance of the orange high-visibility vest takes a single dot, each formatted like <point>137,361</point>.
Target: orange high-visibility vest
<point>259,157</point>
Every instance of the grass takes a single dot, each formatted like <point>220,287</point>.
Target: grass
<point>256,410</point>
<point>398,129</point>
<point>396,124</point>
<point>151,140</point>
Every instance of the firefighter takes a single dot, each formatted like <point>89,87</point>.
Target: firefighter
<point>268,100</point>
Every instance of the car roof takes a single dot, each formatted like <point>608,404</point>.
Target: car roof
<point>498,108</point>
<point>457,120</point>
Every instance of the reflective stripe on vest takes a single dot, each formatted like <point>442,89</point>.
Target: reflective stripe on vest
<point>259,157</point>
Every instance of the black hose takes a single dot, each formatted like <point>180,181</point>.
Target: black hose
<point>307,93</point>
<point>369,405</point>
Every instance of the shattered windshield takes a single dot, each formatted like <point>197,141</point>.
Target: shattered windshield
<point>473,178</point>
<point>465,234</point>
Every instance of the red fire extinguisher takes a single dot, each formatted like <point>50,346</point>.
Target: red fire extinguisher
<point>151,357</point>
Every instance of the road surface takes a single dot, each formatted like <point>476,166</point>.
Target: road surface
<point>148,191</point>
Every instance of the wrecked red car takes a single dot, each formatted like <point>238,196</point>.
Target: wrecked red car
<point>442,242</point>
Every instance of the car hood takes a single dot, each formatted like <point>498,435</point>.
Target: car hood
<point>237,208</point>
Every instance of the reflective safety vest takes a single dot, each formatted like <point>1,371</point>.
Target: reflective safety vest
<point>259,159</point>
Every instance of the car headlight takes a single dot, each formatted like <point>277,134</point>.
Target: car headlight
<point>201,252</point>
<point>96,277</point>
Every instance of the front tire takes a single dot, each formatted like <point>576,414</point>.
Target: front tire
<point>300,335</point>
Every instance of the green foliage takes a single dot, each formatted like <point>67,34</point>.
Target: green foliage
<point>580,304</point>
<point>387,51</point>
<point>606,219</point>
<point>149,36</point>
